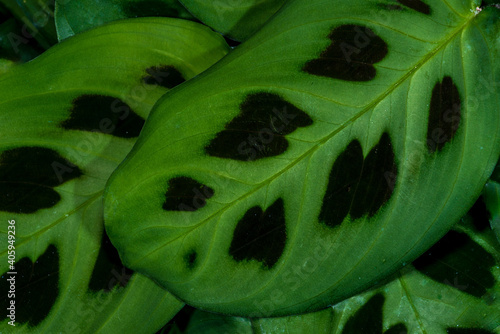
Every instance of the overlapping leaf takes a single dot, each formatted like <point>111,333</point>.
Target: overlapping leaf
<point>234,18</point>
<point>73,17</point>
<point>237,19</point>
<point>67,119</point>
<point>452,288</point>
<point>338,143</point>
<point>37,19</point>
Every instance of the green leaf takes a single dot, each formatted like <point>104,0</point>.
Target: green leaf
<point>321,322</point>
<point>73,17</point>
<point>412,302</point>
<point>210,323</point>
<point>68,118</point>
<point>236,19</point>
<point>336,144</point>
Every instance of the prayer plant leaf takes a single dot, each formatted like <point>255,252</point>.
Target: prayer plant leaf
<point>73,17</point>
<point>452,288</point>
<point>236,19</point>
<point>67,119</point>
<point>339,142</point>
<point>321,322</point>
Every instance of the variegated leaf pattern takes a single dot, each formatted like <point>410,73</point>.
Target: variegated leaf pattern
<point>67,119</point>
<point>73,17</point>
<point>452,288</point>
<point>338,143</point>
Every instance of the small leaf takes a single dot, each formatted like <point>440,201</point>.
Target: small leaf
<point>74,17</point>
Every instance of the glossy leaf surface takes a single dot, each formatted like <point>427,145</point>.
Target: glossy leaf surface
<point>233,18</point>
<point>414,301</point>
<point>452,288</point>
<point>67,119</point>
<point>338,143</point>
<point>73,17</point>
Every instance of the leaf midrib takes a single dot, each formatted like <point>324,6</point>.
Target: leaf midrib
<point>441,45</point>
<point>65,216</point>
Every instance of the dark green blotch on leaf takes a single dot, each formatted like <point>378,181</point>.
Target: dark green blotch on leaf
<point>260,235</point>
<point>351,55</point>
<point>190,259</point>
<point>444,114</point>
<point>104,114</point>
<point>397,329</point>
<point>358,185</point>
<point>186,194</point>
<point>458,261</point>
<point>480,215</point>
<point>390,7</point>
<point>368,319</point>
<point>109,270</point>
<point>259,130</point>
<point>340,192</point>
<point>377,179</point>
<point>28,174</point>
<point>36,287</point>
<point>165,75</point>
